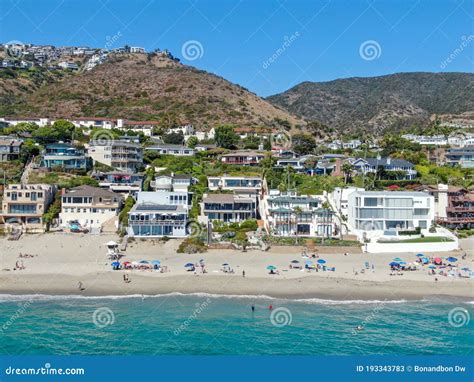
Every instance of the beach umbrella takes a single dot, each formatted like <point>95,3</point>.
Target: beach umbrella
<point>156,262</point>
<point>115,264</point>
<point>189,265</point>
<point>452,259</point>
<point>126,262</point>
<point>425,260</point>
<point>397,259</point>
<point>225,264</point>
<point>144,262</point>
<point>271,268</point>
<point>201,261</point>
<point>394,264</point>
<point>402,263</point>
<point>295,262</point>
<point>438,260</point>
<point>420,255</point>
<point>321,261</point>
<point>432,266</point>
<point>111,244</point>
<point>465,269</point>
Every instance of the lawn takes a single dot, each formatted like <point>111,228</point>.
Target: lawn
<point>429,239</point>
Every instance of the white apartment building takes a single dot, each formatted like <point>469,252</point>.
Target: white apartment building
<point>377,211</point>
<point>89,207</point>
<point>122,155</point>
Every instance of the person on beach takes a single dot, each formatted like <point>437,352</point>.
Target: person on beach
<point>79,286</point>
<point>243,274</point>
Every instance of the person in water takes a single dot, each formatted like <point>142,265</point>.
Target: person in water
<point>270,307</point>
<point>253,308</point>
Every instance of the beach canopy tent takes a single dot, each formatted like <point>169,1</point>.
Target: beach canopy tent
<point>271,267</point>
<point>438,261</point>
<point>321,261</point>
<point>452,259</point>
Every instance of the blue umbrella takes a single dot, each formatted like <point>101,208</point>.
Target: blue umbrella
<point>308,262</point>
<point>225,264</point>
<point>425,260</point>
<point>156,262</point>
<point>402,263</point>
<point>189,265</point>
<point>420,255</point>
<point>397,259</point>
<point>432,267</point>
<point>452,259</point>
<point>394,264</point>
<point>465,269</point>
<point>321,261</point>
<point>144,262</point>
<point>115,264</point>
<point>271,267</point>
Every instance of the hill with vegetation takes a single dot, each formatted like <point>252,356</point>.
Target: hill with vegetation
<point>374,104</point>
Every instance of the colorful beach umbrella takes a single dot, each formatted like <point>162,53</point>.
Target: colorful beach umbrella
<point>402,263</point>
<point>432,266</point>
<point>144,262</point>
<point>420,255</point>
<point>452,259</point>
<point>295,262</point>
<point>271,268</point>
<point>438,260</point>
<point>397,259</point>
<point>394,264</point>
<point>225,264</point>
<point>115,264</point>
<point>465,269</point>
<point>321,261</point>
<point>189,265</point>
<point>156,262</point>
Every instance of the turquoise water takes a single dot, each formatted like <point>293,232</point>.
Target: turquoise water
<point>202,325</point>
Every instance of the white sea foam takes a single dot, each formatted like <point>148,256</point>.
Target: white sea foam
<point>44,297</point>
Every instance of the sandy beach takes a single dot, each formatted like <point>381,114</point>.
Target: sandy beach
<point>63,260</point>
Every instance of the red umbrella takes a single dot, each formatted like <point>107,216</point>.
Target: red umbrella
<point>438,261</point>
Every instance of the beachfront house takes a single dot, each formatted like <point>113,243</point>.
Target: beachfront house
<point>10,148</point>
<point>235,183</point>
<point>176,150</point>
<point>388,168</point>
<point>90,208</point>
<point>121,182</point>
<point>24,205</point>
<point>176,182</point>
<point>65,156</point>
<point>243,158</point>
<point>375,212</point>
<point>229,208</point>
<point>120,154</point>
<point>290,214</point>
<point>161,213</point>
<point>463,157</point>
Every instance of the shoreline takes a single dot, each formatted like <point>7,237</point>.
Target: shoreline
<point>296,289</point>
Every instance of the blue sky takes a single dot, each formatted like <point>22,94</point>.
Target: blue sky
<point>236,39</point>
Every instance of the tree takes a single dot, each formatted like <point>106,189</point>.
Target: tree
<point>192,142</point>
<point>347,169</point>
<point>226,137</point>
<point>303,143</point>
<point>174,138</point>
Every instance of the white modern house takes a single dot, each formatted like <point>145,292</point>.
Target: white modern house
<point>371,213</point>
<point>289,214</point>
<point>176,150</point>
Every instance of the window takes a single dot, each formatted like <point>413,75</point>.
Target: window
<point>14,196</point>
<point>370,202</point>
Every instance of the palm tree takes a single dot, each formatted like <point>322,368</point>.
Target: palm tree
<point>347,169</point>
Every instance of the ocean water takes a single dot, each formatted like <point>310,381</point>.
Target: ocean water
<point>207,325</point>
